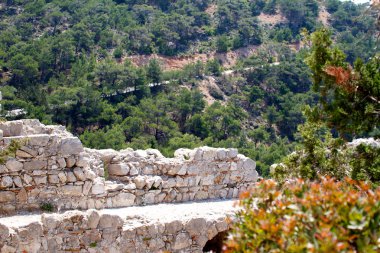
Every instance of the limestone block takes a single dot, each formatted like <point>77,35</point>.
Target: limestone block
<point>78,172</point>
<point>17,181</point>
<point>53,179</point>
<point>13,165</point>
<point>222,226</point>
<point>72,190</point>
<point>149,198</point>
<point>211,231</point>
<point>61,162</point>
<point>93,218</point>
<point>232,153</point>
<point>173,227</point>
<point>70,146</point>
<point>70,162</point>
<point>62,177</point>
<point>251,175</point>
<point>23,154</point>
<point>154,152</point>
<point>98,187</point>
<point>71,178</point>
<point>148,170</point>
<point>198,156</point>
<point>182,240</point>
<point>82,162</point>
<point>181,182</point>
<point>22,196</point>
<point>201,240</point>
<point>193,170</point>
<point>11,128</point>
<point>7,196</point>
<point>140,153</point>
<point>35,165</point>
<point>236,176</point>
<point>118,169</point>
<point>174,169</point>
<point>140,182</point>
<point>209,154</point>
<point>4,233</point>
<point>195,226</point>
<point>170,183</point>
<point>27,179</point>
<point>113,187</point>
<point>182,171</point>
<point>233,166</point>
<point>89,174</point>
<point>249,164</point>
<point>7,249</point>
<point>110,221</point>
<point>41,140</point>
<point>6,182</point>
<point>157,182</point>
<point>51,221</point>
<point>87,187</point>
<point>222,154</point>
<point>209,180</point>
<point>3,169</point>
<point>201,195</point>
<point>133,170</point>
<point>130,187</point>
<point>123,199</point>
<point>150,182</point>
<point>40,180</point>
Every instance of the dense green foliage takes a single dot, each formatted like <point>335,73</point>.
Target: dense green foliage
<point>67,62</point>
<point>350,107</point>
<point>302,216</point>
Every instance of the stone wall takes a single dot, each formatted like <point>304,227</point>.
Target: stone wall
<point>51,166</point>
<point>95,231</point>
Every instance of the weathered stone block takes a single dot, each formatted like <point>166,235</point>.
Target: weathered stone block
<point>13,165</point>
<point>35,165</point>
<point>182,241</point>
<point>7,196</point>
<point>6,182</point>
<point>72,190</point>
<point>70,146</point>
<point>110,221</point>
<point>79,174</point>
<point>118,169</point>
<point>123,199</point>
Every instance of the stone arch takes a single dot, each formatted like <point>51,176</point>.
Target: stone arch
<point>215,245</point>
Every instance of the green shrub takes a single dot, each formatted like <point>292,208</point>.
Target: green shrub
<point>301,216</point>
<point>47,207</point>
<point>10,150</point>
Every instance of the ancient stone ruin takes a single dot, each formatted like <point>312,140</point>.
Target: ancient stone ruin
<point>112,201</point>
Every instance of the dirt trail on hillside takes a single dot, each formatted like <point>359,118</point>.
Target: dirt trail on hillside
<point>228,59</point>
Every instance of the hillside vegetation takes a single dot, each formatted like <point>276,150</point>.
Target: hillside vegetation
<point>70,62</point>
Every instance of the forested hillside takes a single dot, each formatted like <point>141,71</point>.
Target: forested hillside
<point>74,63</point>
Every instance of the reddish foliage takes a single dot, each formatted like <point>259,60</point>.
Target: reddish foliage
<point>342,76</point>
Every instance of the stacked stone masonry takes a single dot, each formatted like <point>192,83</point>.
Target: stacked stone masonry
<point>52,168</point>
<point>101,231</point>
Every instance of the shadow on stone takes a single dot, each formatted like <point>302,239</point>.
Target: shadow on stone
<point>215,245</point>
